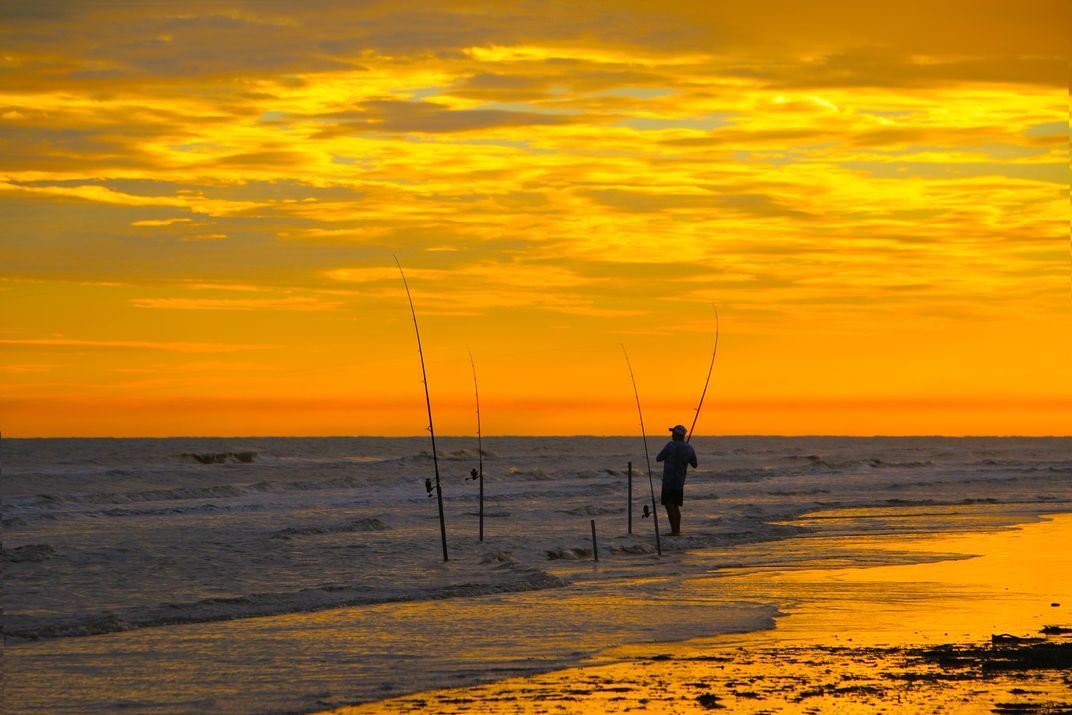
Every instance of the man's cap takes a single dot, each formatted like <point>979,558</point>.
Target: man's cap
<point>678,429</point>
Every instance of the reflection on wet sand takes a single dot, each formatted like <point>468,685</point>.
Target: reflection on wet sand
<point>915,638</point>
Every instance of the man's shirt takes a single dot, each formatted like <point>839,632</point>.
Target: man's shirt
<point>676,457</point>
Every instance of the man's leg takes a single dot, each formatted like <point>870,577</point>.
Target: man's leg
<point>673,512</point>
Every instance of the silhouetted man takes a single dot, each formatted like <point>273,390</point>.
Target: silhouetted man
<point>676,456</point>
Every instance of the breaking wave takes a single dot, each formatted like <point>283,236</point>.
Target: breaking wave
<point>256,605</point>
<point>818,461</point>
<point>451,455</point>
<point>360,525</point>
<point>220,457</point>
<point>29,552</point>
<point>589,510</point>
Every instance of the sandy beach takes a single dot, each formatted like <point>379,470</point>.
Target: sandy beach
<point>977,632</point>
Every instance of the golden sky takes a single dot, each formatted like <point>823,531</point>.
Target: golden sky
<point>202,199</point>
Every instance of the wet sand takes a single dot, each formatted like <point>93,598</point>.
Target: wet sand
<point>915,638</point>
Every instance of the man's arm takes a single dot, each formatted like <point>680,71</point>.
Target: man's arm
<point>692,457</point>
<point>662,454</point>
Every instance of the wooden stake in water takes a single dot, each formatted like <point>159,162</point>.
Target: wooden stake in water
<point>479,445</point>
<point>428,402</point>
<point>647,455</point>
<point>630,507</point>
<point>595,549</point>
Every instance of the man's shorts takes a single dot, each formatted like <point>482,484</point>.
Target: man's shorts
<point>673,496</point>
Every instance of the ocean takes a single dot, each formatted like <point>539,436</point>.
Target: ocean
<point>290,575</point>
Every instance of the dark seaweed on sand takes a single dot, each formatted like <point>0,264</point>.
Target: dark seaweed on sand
<point>709,701</point>
<point>1024,656</point>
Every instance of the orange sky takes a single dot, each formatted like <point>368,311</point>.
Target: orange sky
<point>202,199</point>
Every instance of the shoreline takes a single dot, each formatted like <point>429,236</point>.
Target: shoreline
<point>915,637</point>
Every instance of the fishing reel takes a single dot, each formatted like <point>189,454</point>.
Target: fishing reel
<point>430,489</point>
<point>647,511</point>
<point>472,475</point>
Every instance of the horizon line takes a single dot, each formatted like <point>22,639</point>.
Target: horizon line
<point>551,436</point>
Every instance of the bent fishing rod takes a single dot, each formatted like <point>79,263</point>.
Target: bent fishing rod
<point>479,444</point>
<point>710,369</point>
<point>651,483</point>
<point>428,402</point>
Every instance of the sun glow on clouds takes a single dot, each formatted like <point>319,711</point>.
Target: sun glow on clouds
<point>876,201</point>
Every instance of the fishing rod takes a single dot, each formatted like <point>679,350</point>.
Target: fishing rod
<point>479,445</point>
<point>654,510</point>
<point>428,402</point>
<point>708,380</point>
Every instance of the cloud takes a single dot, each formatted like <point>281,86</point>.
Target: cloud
<point>548,84</point>
<point>29,368</point>
<point>470,289</point>
<point>160,222</point>
<point>881,68</point>
<point>501,86</point>
<point>76,344</point>
<point>91,192</point>
<point>970,136</point>
<point>267,158</point>
<point>516,274</point>
<point>591,311</point>
<point>742,137</point>
<point>426,117</point>
<point>96,193</point>
<point>237,287</point>
<point>205,237</point>
<point>640,201</point>
<point>376,274</point>
<point>295,303</point>
<point>974,40</point>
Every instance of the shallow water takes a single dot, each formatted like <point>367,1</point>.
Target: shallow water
<point>292,574</point>
<point>854,640</point>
